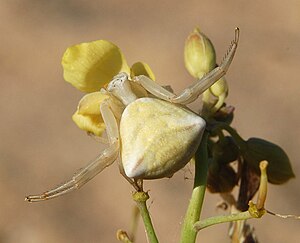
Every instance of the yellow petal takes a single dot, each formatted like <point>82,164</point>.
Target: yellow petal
<point>89,66</point>
<point>90,123</point>
<point>90,103</point>
<point>141,68</point>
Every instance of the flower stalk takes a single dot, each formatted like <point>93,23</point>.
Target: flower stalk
<point>188,233</point>
<point>254,211</point>
<point>221,219</point>
<point>140,198</point>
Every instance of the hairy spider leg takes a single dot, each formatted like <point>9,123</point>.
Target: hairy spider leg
<point>105,159</point>
<point>192,92</point>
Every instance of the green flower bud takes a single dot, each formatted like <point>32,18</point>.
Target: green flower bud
<point>279,168</point>
<point>219,88</point>
<point>199,54</point>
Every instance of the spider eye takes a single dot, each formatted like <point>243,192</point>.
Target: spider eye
<point>121,77</point>
<point>117,81</point>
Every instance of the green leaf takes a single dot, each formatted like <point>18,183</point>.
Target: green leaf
<point>279,169</point>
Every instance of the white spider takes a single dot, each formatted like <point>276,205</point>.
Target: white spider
<point>155,135</point>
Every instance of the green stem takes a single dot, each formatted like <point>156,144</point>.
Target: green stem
<point>238,139</point>
<point>254,210</point>
<point>140,198</point>
<point>221,219</point>
<point>188,233</point>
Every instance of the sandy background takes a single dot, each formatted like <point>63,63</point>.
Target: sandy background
<point>41,147</point>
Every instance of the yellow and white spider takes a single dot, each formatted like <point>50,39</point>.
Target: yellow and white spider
<point>154,136</point>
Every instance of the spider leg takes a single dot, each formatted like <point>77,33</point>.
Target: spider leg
<point>83,176</point>
<point>137,184</point>
<point>191,93</point>
<point>105,159</point>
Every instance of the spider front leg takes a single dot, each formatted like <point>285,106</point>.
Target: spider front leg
<point>192,92</point>
<point>105,159</point>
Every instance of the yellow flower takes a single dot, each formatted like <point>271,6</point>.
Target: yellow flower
<point>87,116</point>
<point>89,67</point>
<point>141,68</point>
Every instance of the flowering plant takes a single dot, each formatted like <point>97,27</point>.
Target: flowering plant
<point>223,159</point>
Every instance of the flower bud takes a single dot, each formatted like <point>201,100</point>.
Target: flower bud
<point>199,54</point>
<point>279,168</point>
<point>219,88</point>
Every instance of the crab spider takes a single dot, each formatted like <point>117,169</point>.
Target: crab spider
<point>155,135</point>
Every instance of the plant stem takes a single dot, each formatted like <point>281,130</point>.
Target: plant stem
<point>188,233</point>
<point>221,219</point>
<point>140,198</point>
<point>254,210</point>
<point>238,139</point>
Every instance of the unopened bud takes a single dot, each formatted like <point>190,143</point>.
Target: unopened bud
<point>199,54</point>
<point>219,88</point>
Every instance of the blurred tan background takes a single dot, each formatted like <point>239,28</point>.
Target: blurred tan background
<point>41,147</point>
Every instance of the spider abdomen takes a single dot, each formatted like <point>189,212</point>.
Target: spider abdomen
<point>158,138</point>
